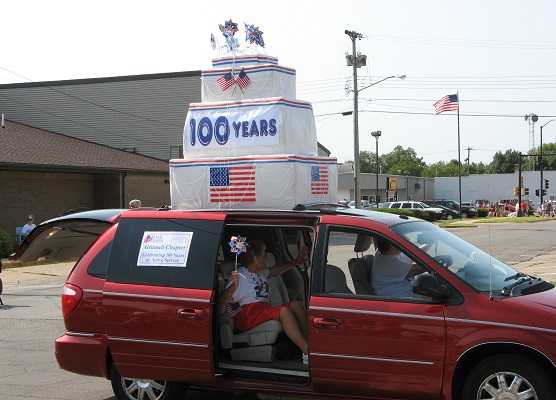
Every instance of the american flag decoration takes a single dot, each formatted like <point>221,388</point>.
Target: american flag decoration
<point>319,179</point>
<point>234,184</point>
<point>242,79</point>
<point>447,103</point>
<point>225,81</point>
<point>233,309</point>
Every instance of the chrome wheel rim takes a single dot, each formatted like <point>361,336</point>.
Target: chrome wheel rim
<point>506,386</point>
<point>143,389</point>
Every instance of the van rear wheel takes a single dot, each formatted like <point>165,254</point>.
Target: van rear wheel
<point>145,389</point>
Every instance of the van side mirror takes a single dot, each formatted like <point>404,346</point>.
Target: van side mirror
<point>427,285</point>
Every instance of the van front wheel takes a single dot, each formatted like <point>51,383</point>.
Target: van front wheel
<point>508,377</point>
<point>145,389</point>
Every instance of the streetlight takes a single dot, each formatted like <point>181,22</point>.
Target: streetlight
<point>376,135</point>
<point>541,162</point>
<point>358,60</point>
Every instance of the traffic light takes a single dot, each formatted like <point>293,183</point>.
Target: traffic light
<point>516,191</point>
<point>544,192</point>
<point>537,192</point>
<point>545,183</point>
<point>526,191</point>
<point>521,181</point>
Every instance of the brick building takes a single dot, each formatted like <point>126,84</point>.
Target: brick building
<point>45,173</point>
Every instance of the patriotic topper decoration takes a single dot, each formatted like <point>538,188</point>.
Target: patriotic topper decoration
<point>238,244</point>
<point>229,29</point>
<point>253,35</point>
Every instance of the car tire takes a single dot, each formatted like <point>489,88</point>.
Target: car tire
<point>506,376</point>
<point>145,389</point>
<point>464,214</point>
<point>449,216</point>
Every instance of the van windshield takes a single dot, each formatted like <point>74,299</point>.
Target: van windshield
<point>470,264</point>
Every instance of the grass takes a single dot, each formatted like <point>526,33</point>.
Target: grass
<point>41,261</point>
<point>471,222</point>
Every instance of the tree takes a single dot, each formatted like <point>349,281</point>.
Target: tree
<point>401,159</point>
<point>549,161</point>
<point>367,162</point>
<point>479,168</point>
<point>506,162</point>
<point>442,168</point>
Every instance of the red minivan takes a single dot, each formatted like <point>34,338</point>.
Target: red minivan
<point>141,307</point>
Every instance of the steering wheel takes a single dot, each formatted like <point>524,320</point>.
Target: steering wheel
<point>444,260</point>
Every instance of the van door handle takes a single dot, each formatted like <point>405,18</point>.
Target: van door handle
<point>190,313</point>
<point>327,323</point>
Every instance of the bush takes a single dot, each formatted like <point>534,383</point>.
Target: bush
<point>482,212</point>
<point>6,245</point>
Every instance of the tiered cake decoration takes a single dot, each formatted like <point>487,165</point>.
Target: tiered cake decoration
<point>250,143</point>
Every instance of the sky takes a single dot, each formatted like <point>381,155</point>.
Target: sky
<point>498,55</point>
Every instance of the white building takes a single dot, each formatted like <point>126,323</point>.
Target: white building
<point>495,187</point>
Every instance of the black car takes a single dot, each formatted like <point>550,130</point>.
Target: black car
<point>448,212</point>
<point>466,211</point>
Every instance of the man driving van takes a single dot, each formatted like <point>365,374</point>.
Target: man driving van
<point>392,272</point>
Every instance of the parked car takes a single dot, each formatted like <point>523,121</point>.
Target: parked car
<point>364,204</point>
<point>448,212</point>
<point>417,205</point>
<point>466,211</point>
<point>141,308</point>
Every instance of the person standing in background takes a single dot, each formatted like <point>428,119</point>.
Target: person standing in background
<point>28,227</point>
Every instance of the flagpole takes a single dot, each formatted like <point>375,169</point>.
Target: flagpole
<point>459,158</point>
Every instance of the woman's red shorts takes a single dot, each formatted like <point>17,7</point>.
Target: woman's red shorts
<point>255,314</point>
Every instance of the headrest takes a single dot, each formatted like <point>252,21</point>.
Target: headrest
<point>362,243</point>
<point>270,260</point>
<point>225,268</point>
<point>479,258</point>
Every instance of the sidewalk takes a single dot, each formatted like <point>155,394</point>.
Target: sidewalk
<point>37,275</point>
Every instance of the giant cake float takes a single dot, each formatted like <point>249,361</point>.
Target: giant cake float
<point>250,143</point>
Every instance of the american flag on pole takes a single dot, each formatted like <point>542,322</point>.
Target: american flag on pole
<point>447,103</point>
<point>225,81</point>
<point>232,184</point>
<point>319,179</point>
<point>242,79</point>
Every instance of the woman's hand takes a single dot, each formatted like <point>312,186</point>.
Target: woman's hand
<point>302,256</point>
<point>234,278</point>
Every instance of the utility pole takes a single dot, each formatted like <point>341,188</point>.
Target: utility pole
<point>468,158</point>
<point>356,169</point>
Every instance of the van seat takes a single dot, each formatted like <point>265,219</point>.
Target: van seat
<point>256,344</point>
